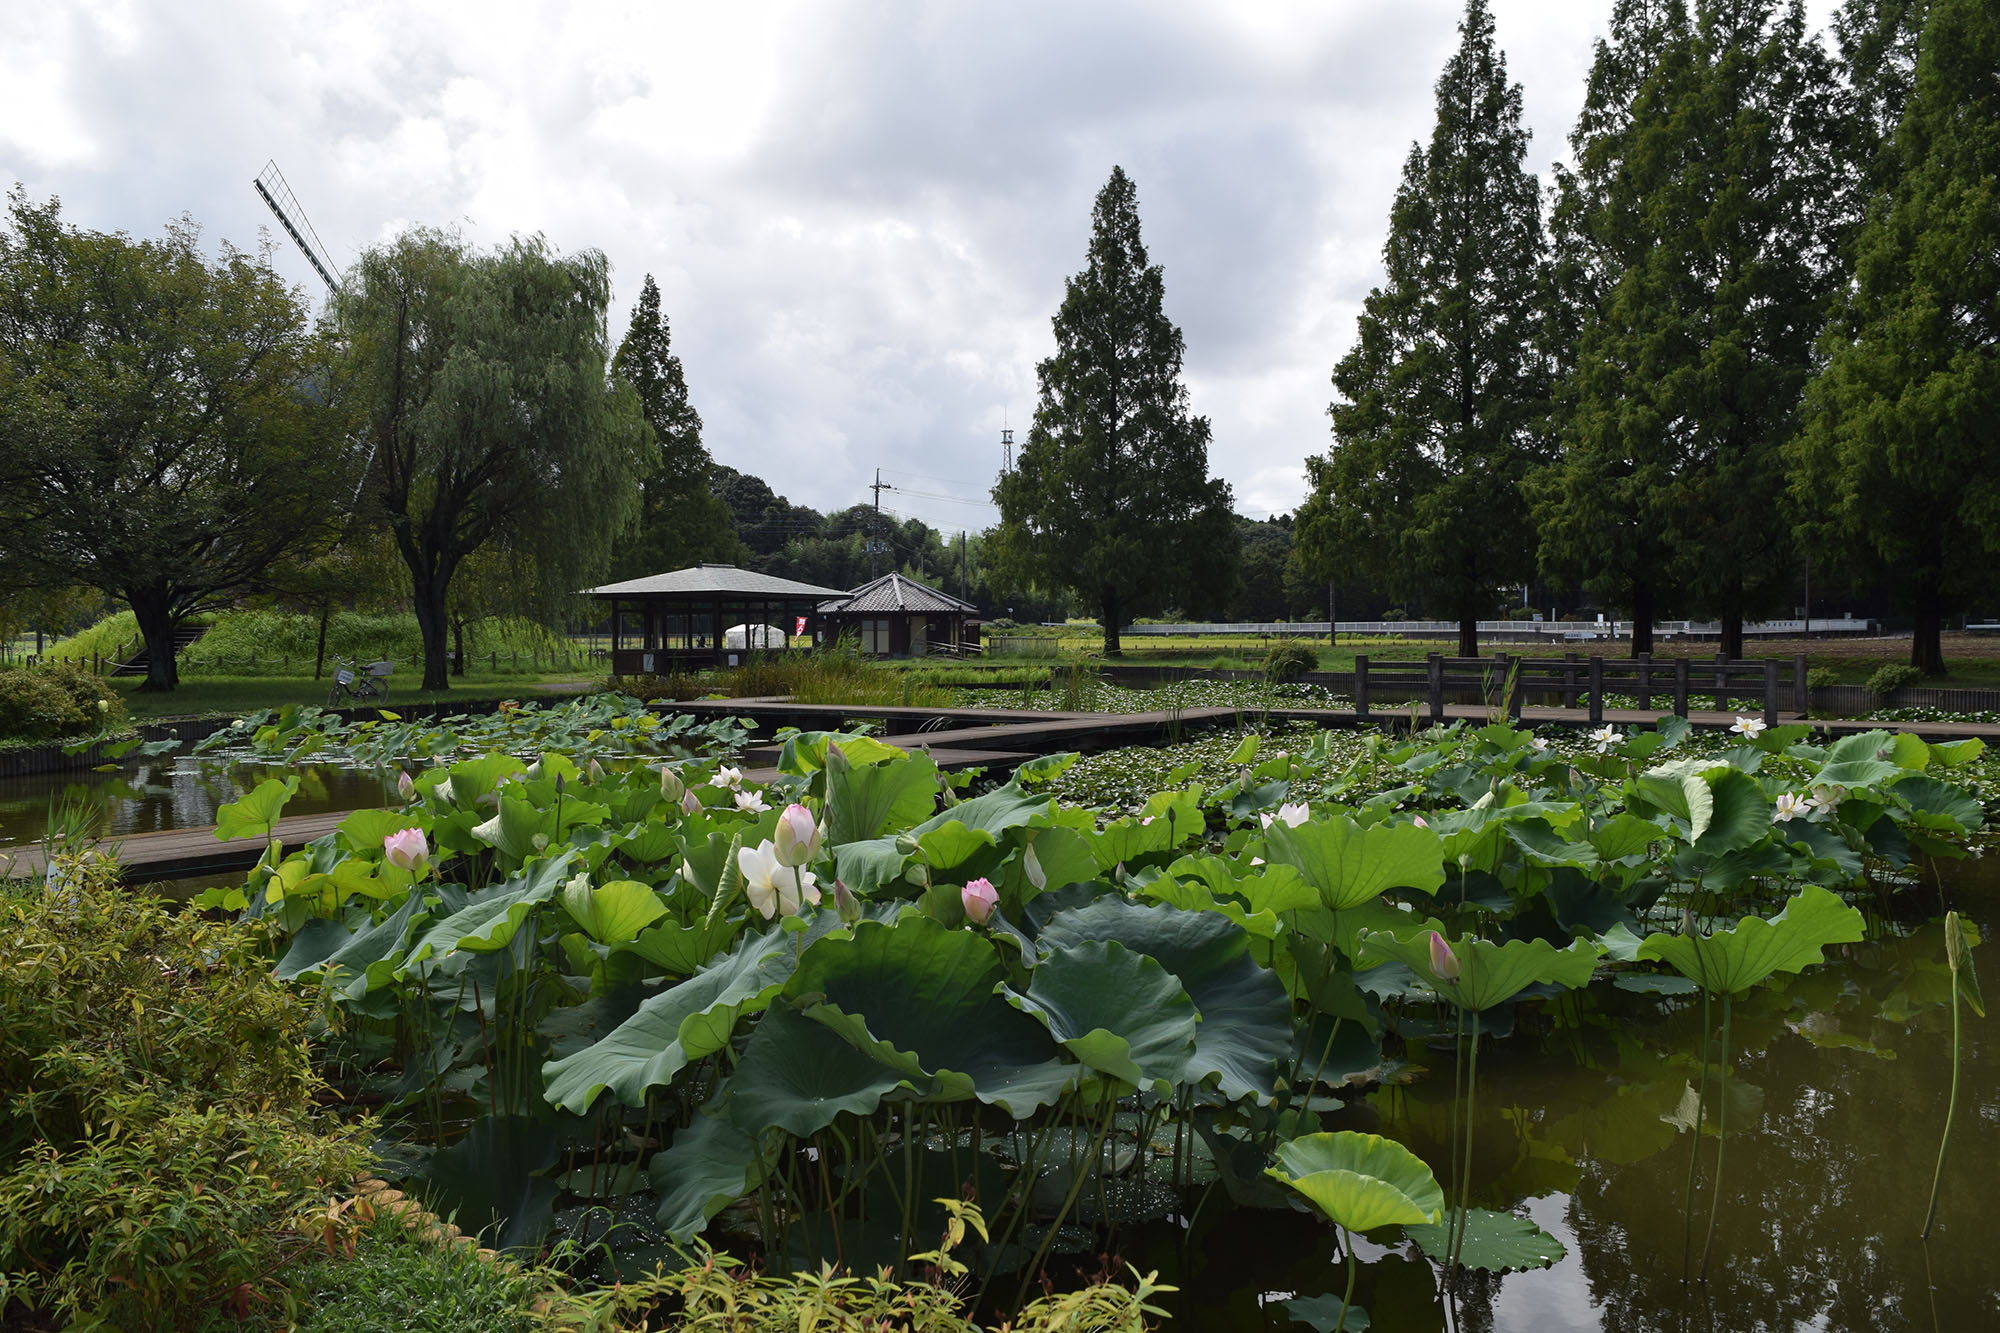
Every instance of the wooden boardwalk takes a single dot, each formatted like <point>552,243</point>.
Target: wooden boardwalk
<point>996,739</point>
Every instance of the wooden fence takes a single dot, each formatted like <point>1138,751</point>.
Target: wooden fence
<point>1580,681</point>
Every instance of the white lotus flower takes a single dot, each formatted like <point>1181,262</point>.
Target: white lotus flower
<point>1826,798</point>
<point>1539,743</point>
<point>1292,814</point>
<point>1749,728</point>
<point>774,888</point>
<point>728,777</point>
<point>1606,736</point>
<point>751,801</point>
<point>1789,805</point>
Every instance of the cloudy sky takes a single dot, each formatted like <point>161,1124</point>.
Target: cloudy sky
<point>860,215</point>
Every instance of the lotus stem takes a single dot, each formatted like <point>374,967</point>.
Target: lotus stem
<point>1471,1101</point>
<point>1951,1103</point>
<point>1347,1297</point>
<point>1721,1137</point>
<point>1069,1202</point>
<point>1700,1109</point>
<point>1457,1136</point>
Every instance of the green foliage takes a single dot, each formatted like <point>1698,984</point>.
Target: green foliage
<point>1112,496</point>
<point>1288,659</point>
<point>1886,680</point>
<point>271,642</point>
<point>1444,396</point>
<point>160,1132</point>
<point>109,639</point>
<point>56,702</point>
<point>400,1281</point>
<point>1819,678</point>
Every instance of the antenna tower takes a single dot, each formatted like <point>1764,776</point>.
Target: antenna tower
<point>284,204</point>
<point>1006,449</point>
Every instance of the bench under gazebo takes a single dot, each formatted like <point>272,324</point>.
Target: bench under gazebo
<point>895,616</point>
<point>707,616</point>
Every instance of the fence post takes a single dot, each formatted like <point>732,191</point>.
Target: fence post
<point>1434,668</point>
<point>1596,688</point>
<point>1721,683</point>
<point>1569,680</point>
<point>1646,681</point>
<point>1770,691</point>
<point>1680,687</point>
<point>1360,686</point>
<point>1801,697</point>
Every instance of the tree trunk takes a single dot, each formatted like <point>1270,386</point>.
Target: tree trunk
<point>1927,643</point>
<point>319,650</point>
<point>1642,617</point>
<point>156,625</point>
<point>458,645</point>
<point>1109,608</point>
<point>429,598</point>
<point>1732,636</point>
<point>1468,634</point>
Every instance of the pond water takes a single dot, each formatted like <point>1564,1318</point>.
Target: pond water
<point>175,791</point>
<point>1838,1094</point>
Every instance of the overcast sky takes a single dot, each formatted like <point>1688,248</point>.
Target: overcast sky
<point>860,215</point>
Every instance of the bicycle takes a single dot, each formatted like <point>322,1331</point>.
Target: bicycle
<point>369,684</point>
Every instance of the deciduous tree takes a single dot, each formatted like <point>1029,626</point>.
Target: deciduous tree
<point>1112,496</point>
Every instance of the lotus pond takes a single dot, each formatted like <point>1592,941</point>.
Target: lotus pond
<point>1472,1030</point>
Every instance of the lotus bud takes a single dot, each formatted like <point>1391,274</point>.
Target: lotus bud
<point>671,786</point>
<point>846,903</point>
<point>560,784</point>
<point>406,788</point>
<point>797,838</point>
<point>1954,943</point>
<point>596,772</point>
<point>1443,961</point>
<point>1032,865</point>
<point>406,849</point>
<point>690,803</point>
<point>979,899</point>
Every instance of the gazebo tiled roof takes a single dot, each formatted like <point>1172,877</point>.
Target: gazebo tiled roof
<point>709,580</point>
<point>893,593</point>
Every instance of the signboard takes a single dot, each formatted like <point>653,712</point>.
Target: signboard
<point>799,628</point>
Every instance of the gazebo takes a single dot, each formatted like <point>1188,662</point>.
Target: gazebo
<point>897,617</point>
<point>710,615</point>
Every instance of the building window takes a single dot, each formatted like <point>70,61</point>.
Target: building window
<point>875,637</point>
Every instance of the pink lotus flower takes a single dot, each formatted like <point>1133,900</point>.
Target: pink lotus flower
<point>979,899</point>
<point>406,849</point>
<point>1443,961</point>
<point>406,788</point>
<point>797,838</point>
<point>690,803</point>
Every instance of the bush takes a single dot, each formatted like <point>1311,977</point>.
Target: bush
<point>106,639</point>
<point>160,1131</point>
<point>1395,613</point>
<point>401,1281</point>
<point>1888,679</point>
<point>1820,678</point>
<point>1288,659</point>
<point>55,702</point>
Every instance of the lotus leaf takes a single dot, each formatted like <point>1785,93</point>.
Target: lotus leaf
<point>1350,865</point>
<point>1489,973</point>
<point>1493,1242</point>
<point>683,949</point>
<point>797,1077</point>
<point>613,913</point>
<point>258,812</point>
<point>364,830</point>
<point>1323,1314</point>
<point>862,800</point>
<point>709,1165</point>
<point>1360,1181</point>
<point>1732,961</point>
<point>1116,1011</point>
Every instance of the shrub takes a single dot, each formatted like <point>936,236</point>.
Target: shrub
<point>1288,659</point>
<point>159,1132</point>
<point>400,1280</point>
<point>1395,613</point>
<point>1820,678</point>
<point>1888,679</point>
<point>55,702</point>
<point>106,639</point>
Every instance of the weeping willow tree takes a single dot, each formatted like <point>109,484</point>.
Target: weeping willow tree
<point>491,416</point>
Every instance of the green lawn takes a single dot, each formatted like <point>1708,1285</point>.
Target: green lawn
<point>205,696</point>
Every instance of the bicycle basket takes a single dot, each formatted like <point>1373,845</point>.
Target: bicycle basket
<point>380,669</point>
<point>342,676</point>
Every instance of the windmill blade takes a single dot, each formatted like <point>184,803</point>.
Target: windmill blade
<point>284,204</point>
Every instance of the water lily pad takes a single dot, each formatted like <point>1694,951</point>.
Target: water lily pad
<point>1494,1242</point>
<point>1322,1314</point>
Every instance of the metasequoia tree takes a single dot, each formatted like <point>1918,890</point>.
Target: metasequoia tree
<point>1112,497</point>
<point>481,379</point>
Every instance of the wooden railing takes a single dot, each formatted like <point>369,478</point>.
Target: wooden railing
<point>1502,681</point>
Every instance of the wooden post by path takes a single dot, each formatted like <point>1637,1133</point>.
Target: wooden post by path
<point>1596,688</point>
<point>1721,683</point>
<point>1680,687</point>
<point>1360,686</point>
<point>1569,680</point>
<point>1434,665</point>
<point>1801,696</point>
<point>1645,667</point>
<point>1770,691</point>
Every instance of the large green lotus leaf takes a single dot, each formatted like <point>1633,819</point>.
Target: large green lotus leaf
<point>487,1181</point>
<point>1322,1314</point>
<point>1003,808</point>
<point>1625,835</point>
<point>1738,815</point>
<point>798,1077</point>
<point>1732,961</point>
<point>805,753</point>
<point>1823,843</point>
<point>518,828</point>
<point>613,913</point>
<point>644,844</point>
<point>1543,845</point>
<point>364,830</point>
<point>1489,973</point>
<point>709,1165</point>
<point>674,1028</point>
<point>1267,888</point>
<point>1123,841</point>
<point>327,948</point>
<point>953,844</point>
<point>473,779</point>
<point>1191,895</point>
<point>1062,857</point>
<point>258,811</point>
<point>1857,774</point>
<point>487,923</point>
<point>1116,1011</point>
<point>1955,754</point>
<point>1349,865</point>
<point>863,800</point>
<point>924,1000</point>
<point>1493,1242</point>
<point>1360,1181</point>
<point>1941,805</point>
<point>1245,1015</point>
<point>681,950</point>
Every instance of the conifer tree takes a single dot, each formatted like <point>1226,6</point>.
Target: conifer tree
<point>681,521</point>
<point>1900,468</point>
<point>1444,397</point>
<point>1111,496</point>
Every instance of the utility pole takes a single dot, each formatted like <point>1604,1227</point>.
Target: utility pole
<point>961,566</point>
<point>875,542</point>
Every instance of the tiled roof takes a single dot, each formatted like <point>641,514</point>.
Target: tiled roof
<point>893,592</point>
<point>726,580</point>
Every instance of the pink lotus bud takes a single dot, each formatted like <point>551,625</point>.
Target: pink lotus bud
<point>406,850</point>
<point>406,788</point>
<point>1443,961</point>
<point>596,772</point>
<point>846,903</point>
<point>671,786</point>
<point>979,899</point>
<point>690,803</point>
<point>796,837</point>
